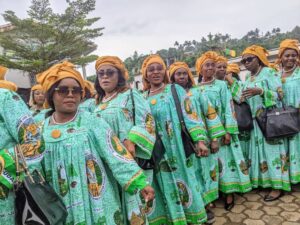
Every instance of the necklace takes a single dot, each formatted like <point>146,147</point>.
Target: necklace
<point>208,82</point>
<point>109,98</point>
<point>157,89</point>
<point>287,71</point>
<point>57,123</point>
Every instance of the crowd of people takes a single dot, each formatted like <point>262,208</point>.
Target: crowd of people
<point>117,155</point>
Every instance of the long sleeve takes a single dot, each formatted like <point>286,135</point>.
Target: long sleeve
<point>272,90</point>
<point>236,90</point>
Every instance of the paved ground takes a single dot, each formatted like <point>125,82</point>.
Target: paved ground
<point>250,209</point>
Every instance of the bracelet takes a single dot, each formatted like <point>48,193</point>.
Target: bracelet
<point>262,91</point>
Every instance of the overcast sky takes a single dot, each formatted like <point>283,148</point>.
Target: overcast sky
<point>148,26</point>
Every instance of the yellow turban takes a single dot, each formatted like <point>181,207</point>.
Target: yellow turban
<point>90,86</point>
<point>288,44</point>
<point>210,55</point>
<point>177,65</point>
<point>58,72</point>
<point>113,61</point>
<point>155,58</point>
<point>221,59</point>
<point>258,51</point>
<point>37,87</point>
<point>8,85</point>
<point>233,68</point>
<point>3,71</point>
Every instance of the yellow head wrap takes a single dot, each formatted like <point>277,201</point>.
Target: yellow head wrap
<point>113,61</point>
<point>258,51</point>
<point>233,68</point>
<point>210,55</point>
<point>90,86</point>
<point>58,72</point>
<point>3,71</point>
<point>177,65</point>
<point>221,59</point>
<point>8,85</point>
<point>288,44</point>
<point>37,87</point>
<point>148,61</point>
<point>274,66</point>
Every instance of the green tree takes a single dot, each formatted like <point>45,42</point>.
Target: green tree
<point>45,38</point>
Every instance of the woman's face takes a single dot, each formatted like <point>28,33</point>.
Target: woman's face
<point>221,70</point>
<point>208,69</point>
<point>251,62</point>
<point>289,58</point>
<point>155,74</point>
<point>67,96</point>
<point>39,97</point>
<point>181,77</point>
<point>108,78</point>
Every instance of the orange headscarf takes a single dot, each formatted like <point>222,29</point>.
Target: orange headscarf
<point>147,62</point>
<point>8,85</point>
<point>274,66</point>
<point>58,72</point>
<point>288,44</point>
<point>113,61</point>
<point>233,68</point>
<point>37,87</point>
<point>209,55</point>
<point>177,65</point>
<point>90,86</point>
<point>3,71</point>
<point>258,51</point>
<point>221,59</point>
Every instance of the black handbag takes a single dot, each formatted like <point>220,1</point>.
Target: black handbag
<point>243,116</point>
<point>158,149</point>
<point>277,122</point>
<point>187,141</point>
<point>36,203</point>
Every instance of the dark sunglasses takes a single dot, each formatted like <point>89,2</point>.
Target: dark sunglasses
<point>248,59</point>
<point>64,91</point>
<point>108,73</point>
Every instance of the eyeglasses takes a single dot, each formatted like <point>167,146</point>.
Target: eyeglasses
<point>109,73</point>
<point>152,69</point>
<point>64,91</point>
<point>248,59</point>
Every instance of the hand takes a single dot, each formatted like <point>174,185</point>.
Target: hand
<point>130,146</point>
<point>214,146</point>
<point>229,79</point>
<point>202,150</point>
<point>226,139</point>
<point>148,193</point>
<point>249,92</point>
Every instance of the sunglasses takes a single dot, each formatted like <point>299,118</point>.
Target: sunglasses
<point>248,60</point>
<point>64,91</point>
<point>109,73</point>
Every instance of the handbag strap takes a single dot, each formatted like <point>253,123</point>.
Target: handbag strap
<point>133,106</point>
<point>19,154</point>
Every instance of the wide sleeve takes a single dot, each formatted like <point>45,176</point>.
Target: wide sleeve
<point>213,122</point>
<point>236,90</point>
<point>229,116</point>
<point>272,90</point>
<point>119,160</point>
<point>193,122</point>
<point>143,132</point>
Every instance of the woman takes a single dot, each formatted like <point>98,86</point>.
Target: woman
<point>83,154</point>
<point>36,103</point>
<point>221,66</point>
<point>174,173</point>
<point>127,113</point>
<point>232,167</point>
<point>15,128</point>
<point>88,103</point>
<point>289,56</point>
<point>262,89</point>
<point>206,167</point>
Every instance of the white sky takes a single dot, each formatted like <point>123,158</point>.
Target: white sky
<point>148,26</point>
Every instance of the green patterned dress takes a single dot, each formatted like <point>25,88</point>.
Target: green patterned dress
<point>291,97</point>
<point>268,159</point>
<point>175,176</point>
<point>83,160</point>
<point>118,113</point>
<point>88,105</point>
<point>233,171</point>
<point>15,128</point>
<point>207,167</point>
<point>40,116</point>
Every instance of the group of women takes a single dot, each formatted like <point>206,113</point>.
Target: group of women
<point>124,157</point>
